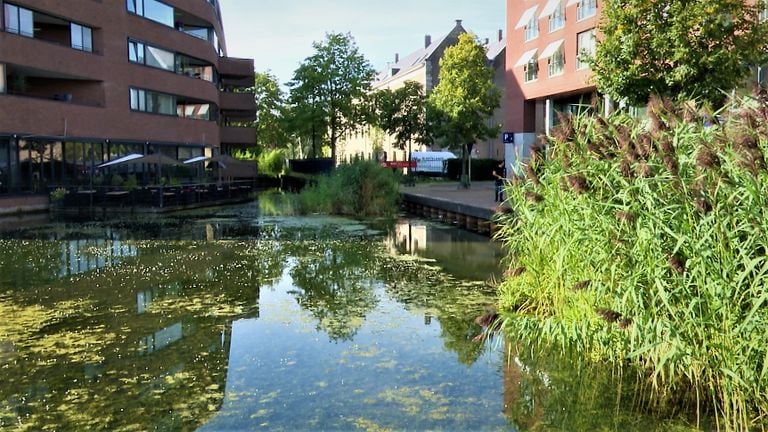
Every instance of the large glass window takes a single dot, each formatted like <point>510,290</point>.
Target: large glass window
<point>159,12</point>
<point>19,20</point>
<point>195,111</point>
<point>160,103</point>
<point>167,104</point>
<point>585,48</point>
<point>160,58</point>
<point>152,9</point>
<point>141,53</point>
<point>153,102</point>
<point>82,37</point>
<point>587,8</point>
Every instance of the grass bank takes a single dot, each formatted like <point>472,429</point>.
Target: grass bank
<point>644,244</point>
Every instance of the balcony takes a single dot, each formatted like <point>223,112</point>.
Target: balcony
<point>236,68</point>
<point>243,136</point>
<point>241,102</point>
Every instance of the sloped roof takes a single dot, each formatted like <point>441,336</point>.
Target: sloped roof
<point>416,58</point>
<point>496,48</point>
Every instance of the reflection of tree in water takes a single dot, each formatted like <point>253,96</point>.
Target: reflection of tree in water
<point>544,388</point>
<point>334,281</point>
<point>454,303</point>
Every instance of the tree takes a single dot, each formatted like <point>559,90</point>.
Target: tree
<point>403,113</point>
<point>270,107</point>
<point>688,48</point>
<point>465,98</point>
<point>326,86</point>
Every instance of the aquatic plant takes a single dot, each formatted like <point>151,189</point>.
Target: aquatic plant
<point>359,189</point>
<point>646,246</point>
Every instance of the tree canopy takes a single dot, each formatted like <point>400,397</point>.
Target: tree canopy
<point>326,86</point>
<point>689,48</point>
<point>270,103</point>
<point>403,113</point>
<point>465,97</point>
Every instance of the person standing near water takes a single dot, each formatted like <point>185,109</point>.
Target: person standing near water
<point>500,173</point>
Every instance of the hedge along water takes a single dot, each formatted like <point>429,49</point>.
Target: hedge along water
<point>644,243</point>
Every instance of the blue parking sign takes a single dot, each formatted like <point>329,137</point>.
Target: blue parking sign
<point>508,137</point>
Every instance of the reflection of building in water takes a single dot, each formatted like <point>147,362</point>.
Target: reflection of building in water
<point>462,253</point>
<point>161,339</point>
<point>144,298</point>
<point>83,256</point>
<point>408,237</point>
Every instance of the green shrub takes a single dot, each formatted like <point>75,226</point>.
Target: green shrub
<point>272,163</point>
<point>644,244</point>
<point>58,194</point>
<point>117,180</point>
<point>361,189</point>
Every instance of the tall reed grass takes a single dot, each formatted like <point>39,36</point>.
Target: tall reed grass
<point>644,243</point>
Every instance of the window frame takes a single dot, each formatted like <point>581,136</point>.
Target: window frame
<point>531,70</point>
<point>586,9</point>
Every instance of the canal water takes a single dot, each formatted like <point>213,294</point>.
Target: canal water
<point>250,318</point>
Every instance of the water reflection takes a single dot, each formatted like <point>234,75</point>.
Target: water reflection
<point>229,321</point>
<point>462,253</point>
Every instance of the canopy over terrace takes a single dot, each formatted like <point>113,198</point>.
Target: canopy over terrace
<point>157,159</point>
<point>227,166</point>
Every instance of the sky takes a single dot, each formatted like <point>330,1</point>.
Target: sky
<point>278,34</point>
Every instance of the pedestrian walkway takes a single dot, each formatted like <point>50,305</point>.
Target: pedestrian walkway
<point>472,208</point>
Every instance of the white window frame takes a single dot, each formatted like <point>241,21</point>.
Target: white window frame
<point>532,28</point>
<point>581,51</point>
<point>556,62</point>
<point>531,70</point>
<point>587,9</point>
<point>557,19</point>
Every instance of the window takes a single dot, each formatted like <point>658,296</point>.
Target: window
<point>585,48</point>
<point>19,20</point>
<point>135,6</point>
<point>138,100</point>
<point>2,78</point>
<point>194,111</point>
<point>161,103</point>
<point>152,9</point>
<point>136,52</point>
<point>81,37</point>
<point>532,69</point>
<point>160,58</point>
<point>557,19</point>
<point>557,62</point>
<point>587,8</point>
<point>141,53</point>
<point>152,102</point>
<point>532,29</point>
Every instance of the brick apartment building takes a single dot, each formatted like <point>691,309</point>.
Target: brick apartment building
<point>87,81</point>
<point>544,72</point>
